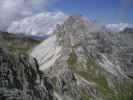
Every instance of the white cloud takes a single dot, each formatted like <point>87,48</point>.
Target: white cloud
<point>14,10</point>
<point>40,24</point>
<point>118,27</point>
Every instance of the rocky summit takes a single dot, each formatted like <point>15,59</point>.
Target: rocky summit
<point>85,61</point>
<point>21,79</point>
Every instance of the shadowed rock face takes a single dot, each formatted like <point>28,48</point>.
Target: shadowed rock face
<point>21,79</point>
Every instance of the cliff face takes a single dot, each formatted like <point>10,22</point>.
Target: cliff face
<point>21,79</point>
<point>86,62</point>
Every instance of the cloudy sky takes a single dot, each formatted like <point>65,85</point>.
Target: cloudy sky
<point>16,10</point>
<point>28,15</point>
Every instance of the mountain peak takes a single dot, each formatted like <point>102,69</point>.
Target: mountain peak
<point>81,55</point>
<point>76,18</point>
<point>81,22</point>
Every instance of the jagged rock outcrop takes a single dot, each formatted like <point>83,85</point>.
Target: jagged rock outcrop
<point>21,79</point>
<point>86,62</point>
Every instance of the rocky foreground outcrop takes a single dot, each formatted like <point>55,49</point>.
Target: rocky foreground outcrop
<point>21,79</point>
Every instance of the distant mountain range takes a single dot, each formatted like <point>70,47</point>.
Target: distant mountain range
<point>16,42</point>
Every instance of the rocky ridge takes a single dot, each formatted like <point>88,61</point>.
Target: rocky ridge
<point>86,62</point>
<point>21,79</point>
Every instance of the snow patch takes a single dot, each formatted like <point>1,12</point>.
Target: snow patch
<point>110,67</point>
<point>83,80</point>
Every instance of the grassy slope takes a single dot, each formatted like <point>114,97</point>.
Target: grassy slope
<point>95,74</point>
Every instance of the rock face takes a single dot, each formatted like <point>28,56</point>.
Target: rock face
<point>21,79</point>
<point>86,62</point>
